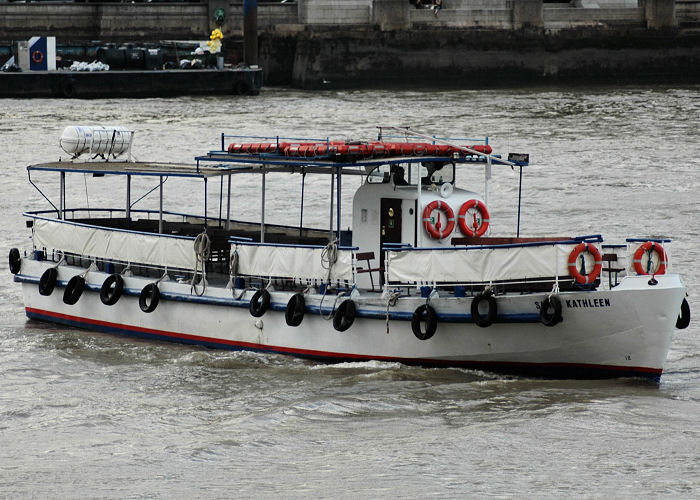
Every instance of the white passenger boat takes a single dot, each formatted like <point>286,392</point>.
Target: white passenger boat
<point>417,279</point>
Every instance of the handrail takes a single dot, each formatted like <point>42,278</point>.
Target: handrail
<point>572,241</point>
<point>643,240</point>
<point>115,229</point>
<point>250,242</point>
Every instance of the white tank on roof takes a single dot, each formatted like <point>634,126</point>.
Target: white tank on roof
<point>96,140</point>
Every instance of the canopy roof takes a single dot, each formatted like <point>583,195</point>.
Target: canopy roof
<point>218,163</point>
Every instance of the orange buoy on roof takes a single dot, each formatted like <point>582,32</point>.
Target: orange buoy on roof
<point>356,149</point>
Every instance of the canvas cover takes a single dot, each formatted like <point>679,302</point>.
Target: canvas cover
<point>291,262</point>
<point>479,265</point>
<point>149,249</point>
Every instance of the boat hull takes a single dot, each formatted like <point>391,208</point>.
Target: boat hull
<point>625,331</point>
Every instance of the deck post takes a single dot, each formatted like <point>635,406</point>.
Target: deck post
<point>128,201</point>
<point>62,195</point>
<point>262,211</point>
<point>338,202</point>
<point>331,198</point>
<point>160,208</point>
<point>301,214</point>
<point>228,204</point>
<point>520,197</point>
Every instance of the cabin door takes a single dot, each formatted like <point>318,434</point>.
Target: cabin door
<point>390,230</point>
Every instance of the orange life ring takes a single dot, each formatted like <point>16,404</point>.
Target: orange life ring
<point>37,56</point>
<point>433,228</point>
<point>477,229</point>
<point>585,279</point>
<point>648,247</point>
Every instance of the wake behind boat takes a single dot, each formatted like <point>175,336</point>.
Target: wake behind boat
<point>417,279</point>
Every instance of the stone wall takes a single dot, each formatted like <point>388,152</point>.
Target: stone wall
<point>105,21</point>
<point>156,21</point>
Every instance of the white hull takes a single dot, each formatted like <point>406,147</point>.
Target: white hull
<point>625,331</point>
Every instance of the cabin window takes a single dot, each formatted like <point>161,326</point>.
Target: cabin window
<point>405,174</point>
<point>436,172</point>
<point>380,175</point>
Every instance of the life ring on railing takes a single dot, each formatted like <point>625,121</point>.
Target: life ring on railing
<point>260,303</point>
<point>74,289</point>
<point>149,297</point>
<point>37,56</point>
<point>344,316</point>
<point>555,317</point>
<point>581,276</point>
<point>433,228</point>
<point>47,282</point>
<point>484,320</point>
<point>296,307</point>
<point>424,313</point>
<point>112,289</point>
<point>15,261</point>
<point>648,247</point>
<point>480,224</point>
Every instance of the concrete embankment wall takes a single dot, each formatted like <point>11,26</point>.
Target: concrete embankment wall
<point>345,43</point>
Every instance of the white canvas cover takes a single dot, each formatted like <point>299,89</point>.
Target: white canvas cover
<point>291,262</point>
<point>150,249</point>
<point>480,265</point>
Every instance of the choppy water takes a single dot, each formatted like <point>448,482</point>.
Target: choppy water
<point>86,415</point>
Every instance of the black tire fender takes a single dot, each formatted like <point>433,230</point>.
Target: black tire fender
<point>112,289</point>
<point>344,316</point>
<point>74,289</point>
<point>149,297</point>
<point>260,303</point>
<point>296,307</point>
<point>15,260</point>
<point>68,87</point>
<point>555,317</point>
<point>424,313</point>
<point>684,317</point>
<point>48,281</point>
<point>484,320</point>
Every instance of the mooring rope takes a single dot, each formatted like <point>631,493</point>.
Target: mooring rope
<point>202,247</point>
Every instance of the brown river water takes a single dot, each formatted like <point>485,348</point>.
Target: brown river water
<point>88,415</point>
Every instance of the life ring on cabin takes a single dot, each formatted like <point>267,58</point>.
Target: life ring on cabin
<point>424,313</point>
<point>296,307</point>
<point>480,224</point>
<point>149,298</point>
<point>484,320</point>
<point>648,247</point>
<point>580,275</point>
<point>260,303</point>
<point>433,228</point>
<point>554,304</point>
<point>684,317</point>
<point>15,261</point>
<point>74,289</point>
<point>344,316</point>
<point>37,56</point>
<point>112,289</point>
<point>47,282</point>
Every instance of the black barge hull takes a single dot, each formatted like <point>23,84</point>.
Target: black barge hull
<point>160,83</point>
